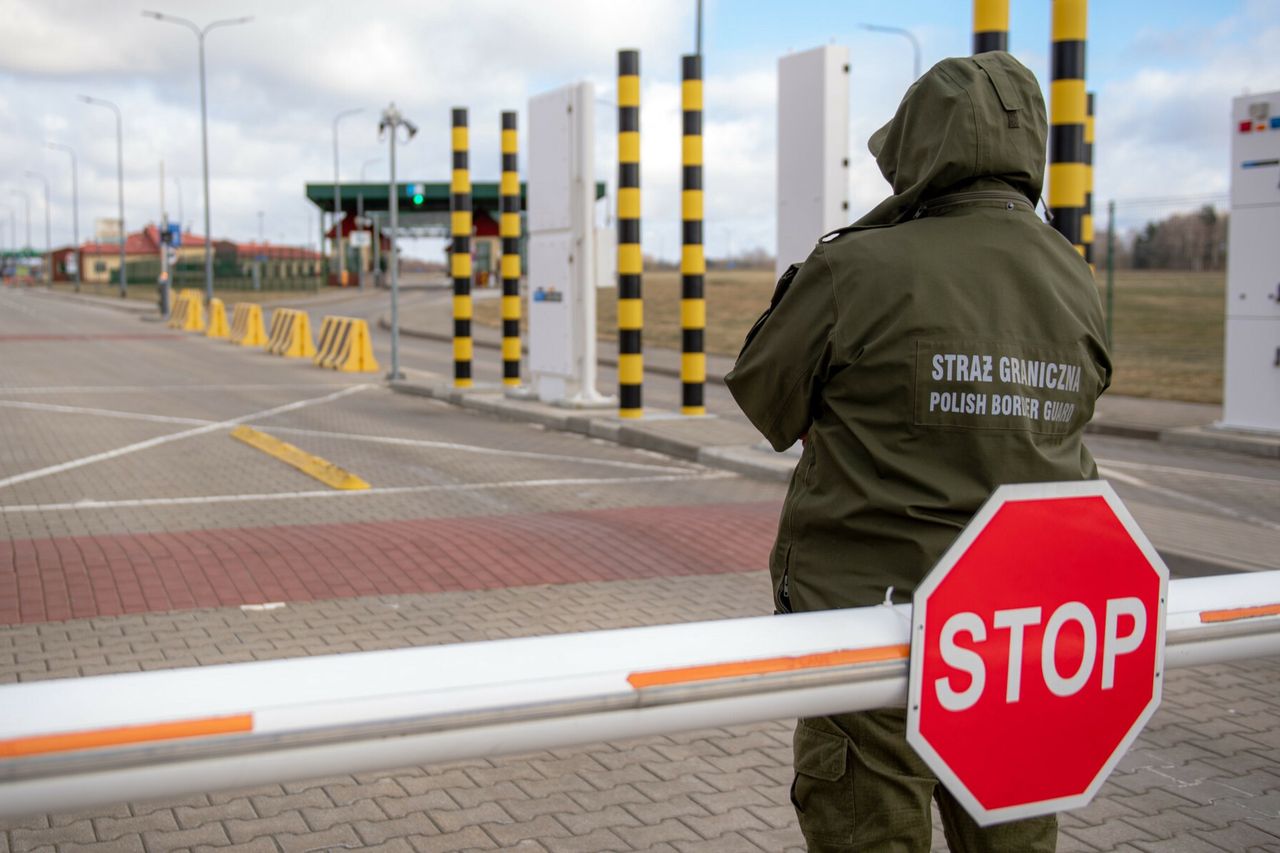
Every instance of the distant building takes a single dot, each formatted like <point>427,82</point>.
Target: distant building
<point>101,260</point>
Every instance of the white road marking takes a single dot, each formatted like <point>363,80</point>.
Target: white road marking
<point>129,503</point>
<point>1188,472</point>
<point>165,439</point>
<point>473,448</point>
<point>105,413</point>
<point>1138,482</point>
<point>349,436</point>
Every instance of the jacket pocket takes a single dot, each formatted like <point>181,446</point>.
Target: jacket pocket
<point>822,792</point>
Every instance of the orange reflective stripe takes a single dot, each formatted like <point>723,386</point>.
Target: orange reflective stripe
<point>765,666</point>
<point>122,735</point>
<point>1240,613</point>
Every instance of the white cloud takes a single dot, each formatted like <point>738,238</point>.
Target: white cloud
<point>275,85</point>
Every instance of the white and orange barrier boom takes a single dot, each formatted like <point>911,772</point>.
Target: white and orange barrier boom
<point>75,743</point>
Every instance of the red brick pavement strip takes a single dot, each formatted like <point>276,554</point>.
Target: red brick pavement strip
<point>46,580</point>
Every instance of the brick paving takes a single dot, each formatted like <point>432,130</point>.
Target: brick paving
<point>85,576</point>
<point>1203,776</point>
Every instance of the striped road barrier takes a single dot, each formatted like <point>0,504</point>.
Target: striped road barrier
<point>188,311</point>
<point>87,742</point>
<point>247,328</point>
<point>630,263</point>
<point>990,25</point>
<point>345,346</point>
<point>291,334</point>
<point>693,265</point>
<point>509,230</point>
<point>217,320</point>
<point>460,260</point>
<point>1068,115</point>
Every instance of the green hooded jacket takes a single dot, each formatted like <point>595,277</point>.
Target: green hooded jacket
<point>945,344</point>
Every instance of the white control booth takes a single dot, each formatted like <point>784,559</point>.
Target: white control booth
<point>1251,372</point>
<point>563,244</point>
<point>813,149</point>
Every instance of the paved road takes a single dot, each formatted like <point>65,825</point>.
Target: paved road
<point>136,530</point>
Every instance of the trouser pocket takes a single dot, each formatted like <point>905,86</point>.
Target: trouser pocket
<point>822,792</point>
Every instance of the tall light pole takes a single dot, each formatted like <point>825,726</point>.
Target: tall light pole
<point>201,32</point>
<point>26,200</point>
<point>393,120</point>
<point>360,216</point>
<point>48,240</point>
<point>899,31</point>
<point>124,234</point>
<point>177,182</point>
<point>337,198</point>
<point>75,208</point>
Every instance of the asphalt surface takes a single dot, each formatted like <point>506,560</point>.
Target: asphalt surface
<point>140,536</point>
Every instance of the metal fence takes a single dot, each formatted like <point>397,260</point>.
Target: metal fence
<point>1166,324</point>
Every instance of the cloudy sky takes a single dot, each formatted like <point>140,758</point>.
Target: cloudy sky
<point>1164,71</point>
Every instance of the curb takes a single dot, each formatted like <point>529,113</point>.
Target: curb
<point>748,460</point>
<point>1209,438</point>
<point>116,304</point>
<point>1215,438</point>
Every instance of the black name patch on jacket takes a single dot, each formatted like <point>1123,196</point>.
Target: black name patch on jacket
<point>1002,385</point>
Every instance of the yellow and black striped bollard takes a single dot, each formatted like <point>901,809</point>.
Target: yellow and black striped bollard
<point>1067,110</point>
<point>1086,223</point>
<point>693,265</point>
<point>460,262</point>
<point>630,264</point>
<point>990,25</point>
<point>509,231</point>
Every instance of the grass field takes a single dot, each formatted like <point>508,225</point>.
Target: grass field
<point>1167,326</point>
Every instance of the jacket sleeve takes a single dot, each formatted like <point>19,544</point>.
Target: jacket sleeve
<point>779,372</point>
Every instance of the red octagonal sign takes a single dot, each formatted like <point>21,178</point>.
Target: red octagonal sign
<point>1037,650</point>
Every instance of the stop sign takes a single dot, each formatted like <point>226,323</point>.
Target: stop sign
<point>1037,650</point>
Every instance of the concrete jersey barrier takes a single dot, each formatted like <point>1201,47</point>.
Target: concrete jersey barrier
<point>188,312</point>
<point>247,328</point>
<point>291,334</point>
<point>345,345</point>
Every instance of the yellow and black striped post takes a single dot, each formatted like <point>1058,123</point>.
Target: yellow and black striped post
<point>693,264</point>
<point>630,264</point>
<point>990,25</point>
<point>509,231</point>
<point>1067,115</point>
<point>460,262</point>
<point>1086,222</point>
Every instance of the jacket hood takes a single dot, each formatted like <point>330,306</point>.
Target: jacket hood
<point>966,119</point>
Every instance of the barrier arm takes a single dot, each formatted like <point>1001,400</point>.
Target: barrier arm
<point>82,742</point>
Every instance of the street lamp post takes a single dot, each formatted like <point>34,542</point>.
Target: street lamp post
<point>48,240</point>
<point>200,33</point>
<point>391,121</point>
<point>337,199</point>
<point>26,200</point>
<point>75,210</point>
<point>360,217</point>
<point>899,31</point>
<point>124,234</point>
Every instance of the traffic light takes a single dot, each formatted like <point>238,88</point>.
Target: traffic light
<point>418,193</point>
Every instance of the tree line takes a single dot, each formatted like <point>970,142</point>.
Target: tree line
<point>1184,241</point>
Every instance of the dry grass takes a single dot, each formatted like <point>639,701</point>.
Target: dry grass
<point>1168,325</point>
<point>1168,332</point>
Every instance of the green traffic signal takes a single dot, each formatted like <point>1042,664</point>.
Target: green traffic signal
<point>417,198</point>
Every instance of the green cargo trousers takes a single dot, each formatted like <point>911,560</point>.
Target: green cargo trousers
<point>859,786</point>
